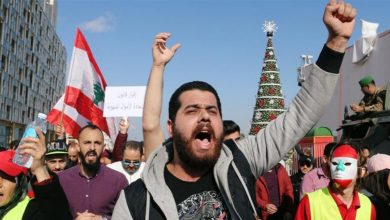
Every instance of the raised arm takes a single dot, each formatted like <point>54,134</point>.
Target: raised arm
<point>36,147</point>
<point>120,140</point>
<point>273,142</point>
<point>50,199</point>
<point>152,131</point>
<point>339,19</point>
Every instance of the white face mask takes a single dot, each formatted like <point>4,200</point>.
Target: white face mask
<point>343,167</point>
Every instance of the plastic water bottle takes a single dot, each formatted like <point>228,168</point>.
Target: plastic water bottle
<point>25,160</point>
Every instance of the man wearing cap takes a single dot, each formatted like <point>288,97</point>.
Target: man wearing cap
<point>56,157</point>
<point>372,100</point>
<point>340,200</point>
<point>305,164</point>
<point>319,177</point>
<point>49,202</point>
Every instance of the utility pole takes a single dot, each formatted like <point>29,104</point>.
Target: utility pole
<point>306,60</point>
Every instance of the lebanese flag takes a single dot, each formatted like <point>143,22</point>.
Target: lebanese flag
<point>83,100</point>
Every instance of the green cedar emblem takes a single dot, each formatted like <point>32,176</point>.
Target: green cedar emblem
<point>98,92</point>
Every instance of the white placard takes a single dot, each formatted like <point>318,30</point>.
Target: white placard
<point>124,101</point>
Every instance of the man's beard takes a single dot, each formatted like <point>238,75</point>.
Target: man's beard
<point>91,168</point>
<point>189,157</point>
<point>131,172</point>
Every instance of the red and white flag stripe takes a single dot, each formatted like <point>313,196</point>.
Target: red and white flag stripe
<point>84,93</point>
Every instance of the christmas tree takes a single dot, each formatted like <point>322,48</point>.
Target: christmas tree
<point>269,100</point>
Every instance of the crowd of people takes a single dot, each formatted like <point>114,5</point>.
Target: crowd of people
<point>206,169</point>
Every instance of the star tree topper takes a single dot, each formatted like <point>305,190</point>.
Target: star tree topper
<point>269,27</point>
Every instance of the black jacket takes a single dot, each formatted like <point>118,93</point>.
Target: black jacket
<point>239,195</point>
<point>50,202</point>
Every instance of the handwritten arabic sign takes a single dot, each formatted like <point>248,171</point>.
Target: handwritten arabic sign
<point>124,101</point>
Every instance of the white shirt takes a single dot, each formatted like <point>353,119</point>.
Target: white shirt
<point>130,178</point>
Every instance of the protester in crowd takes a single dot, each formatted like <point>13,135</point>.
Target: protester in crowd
<point>378,162</point>
<point>231,130</point>
<point>131,165</point>
<point>362,169</point>
<point>319,177</point>
<point>372,100</point>
<point>120,140</point>
<point>195,166</point>
<point>306,151</point>
<point>56,157</point>
<point>376,186</point>
<point>340,200</point>
<point>105,157</point>
<point>365,151</point>
<point>73,154</point>
<point>274,194</point>
<point>13,144</point>
<point>305,164</point>
<point>49,202</point>
<point>3,148</point>
<point>91,188</point>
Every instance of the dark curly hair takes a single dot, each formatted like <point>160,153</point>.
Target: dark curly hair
<point>376,183</point>
<point>174,102</point>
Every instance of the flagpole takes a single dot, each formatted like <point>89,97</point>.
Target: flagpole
<point>69,77</point>
<point>84,80</point>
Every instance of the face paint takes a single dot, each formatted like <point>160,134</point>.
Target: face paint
<point>343,166</point>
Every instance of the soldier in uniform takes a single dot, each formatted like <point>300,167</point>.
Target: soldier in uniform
<point>373,97</point>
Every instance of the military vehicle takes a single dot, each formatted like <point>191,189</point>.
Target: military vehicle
<point>372,130</point>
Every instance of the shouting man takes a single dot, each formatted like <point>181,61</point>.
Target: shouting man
<point>195,175</point>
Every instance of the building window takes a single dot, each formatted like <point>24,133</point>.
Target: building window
<point>13,46</point>
<point>26,98</point>
<point>15,93</point>
<point>32,42</point>
<point>40,18</point>
<point>5,13</point>
<point>31,79</point>
<point>21,75</point>
<point>8,112</point>
<point>4,63</point>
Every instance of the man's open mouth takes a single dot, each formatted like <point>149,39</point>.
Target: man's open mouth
<point>203,136</point>
<point>91,153</point>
